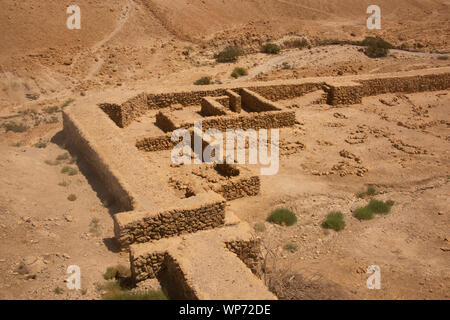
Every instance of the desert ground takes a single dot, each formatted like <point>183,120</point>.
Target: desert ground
<point>397,143</point>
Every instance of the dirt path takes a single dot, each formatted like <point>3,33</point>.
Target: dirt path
<point>321,55</point>
<point>125,14</point>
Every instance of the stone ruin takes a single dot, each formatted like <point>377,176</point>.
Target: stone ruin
<point>179,230</point>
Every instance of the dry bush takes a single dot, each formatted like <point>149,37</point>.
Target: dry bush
<point>287,284</point>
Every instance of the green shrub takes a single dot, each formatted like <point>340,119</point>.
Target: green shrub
<point>292,247</point>
<point>286,66</point>
<point>238,72</point>
<point>390,203</point>
<point>58,290</point>
<point>203,81</point>
<point>63,156</point>
<point>15,127</point>
<point>229,54</point>
<point>114,291</point>
<point>298,43</point>
<point>118,271</point>
<point>334,220</point>
<point>443,58</point>
<point>51,109</point>
<point>271,48</point>
<point>69,170</point>
<point>376,47</point>
<point>66,103</point>
<point>376,52</point>
<point>376,42</point>
<point>52,162</point>
<point>63,184</point>
<point>378,206</point>
<point>40,145</point>
<point>371,191</point>
<point>259,227</point>
<point>282,217</point>
<point>374,206</point>
<point>72,197</point>
<point>94,226</point>
<point>363,213</point>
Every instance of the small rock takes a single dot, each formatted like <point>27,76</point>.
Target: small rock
<point>65,256</point>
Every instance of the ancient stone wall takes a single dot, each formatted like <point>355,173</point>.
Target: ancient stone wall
<point>256,121</point>
<point>343,93</point>
<point>177,262</point>
<point>287,90</point>
<point>81,143</point>
<point>167,121</point>
<point>244,187</point>
<point>256,103</point>
<point>212,107</point>
<point>248,251</point>
<point>163,100</point>
<point>125,113</point>
<point>203,211</point>
<point>224,101</point>
<point>235,101</point>
<point>263,120</point>
<point>159,143</point>
<point>410,84</point>
<point>174,281</point>
<point>114,111</point>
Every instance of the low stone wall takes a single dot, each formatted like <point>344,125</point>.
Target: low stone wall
<point>286,91</point>
<point>411,84</point>
<point>224,101</point>
<point>256,103</point>
<point>147,266</point>
<point>186,98</point>
<point>81,143</point>
<point>212,107</point>
<point>150,265</point>
<point>427,80</point>
<point>262,120</point>
<point>173,280</point>
<point>235,101</point>
<point>343,93</point>
<point>203,211</point>
<point>125,114</point>
<point>187,266</point>
<point>248,251</point>
<point>114,111</point>
<point>352,92</point>
<point>167,121</point>
<point>159,143</point>
<point>244,187</point>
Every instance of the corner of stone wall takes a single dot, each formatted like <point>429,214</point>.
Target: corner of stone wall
<point>248,251</point>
